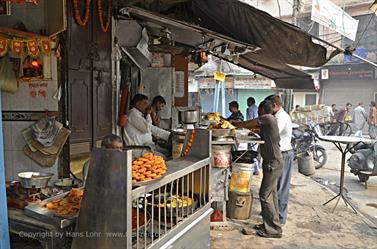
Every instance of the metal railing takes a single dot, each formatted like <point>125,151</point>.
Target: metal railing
<point>159,209</point>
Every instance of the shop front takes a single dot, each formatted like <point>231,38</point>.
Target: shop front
<point>129,200</point>
<point>339,83</point>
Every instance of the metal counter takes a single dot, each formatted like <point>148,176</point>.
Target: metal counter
<point>111,204</point>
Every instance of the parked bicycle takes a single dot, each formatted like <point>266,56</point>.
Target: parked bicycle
<point>329,128</point>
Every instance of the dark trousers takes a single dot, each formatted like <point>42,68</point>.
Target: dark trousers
<point>269,196</point>
<point>284,184</point>
<point>334,127</point>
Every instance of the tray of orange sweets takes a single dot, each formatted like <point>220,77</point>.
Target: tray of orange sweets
<point>147,169</point>
<point>61,209</point>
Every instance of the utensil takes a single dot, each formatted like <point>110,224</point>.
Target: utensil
<point>223,133</point>
<point>34,179</point>
<point>68,183</point>
<point>189,116</point>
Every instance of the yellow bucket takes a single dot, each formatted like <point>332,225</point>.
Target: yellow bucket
<point>241,177</point>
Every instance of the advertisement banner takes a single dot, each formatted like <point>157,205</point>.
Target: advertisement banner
<point>332,16</point>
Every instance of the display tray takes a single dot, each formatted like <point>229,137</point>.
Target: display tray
<point>143,183</point>
<point>40,212</point>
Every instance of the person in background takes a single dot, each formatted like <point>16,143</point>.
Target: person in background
<point>333,112</point>
<point>372,120</point>
<point>139,128</point>
<point>236,114</point>
<point>158,104</point>
<point>272,168</point>
<point>252,109</point>
<point>112,142</point>
<point>285,131</point>
<point>297,108</point>
<point>360,117</point>
<point>340,118</point>
<point>252,113</point>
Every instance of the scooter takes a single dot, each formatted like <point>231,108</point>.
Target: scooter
<point>363,162</point>
<point>304,141</point>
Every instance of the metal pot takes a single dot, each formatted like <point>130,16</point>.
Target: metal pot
<point>189,116</point>
<point>34,179</point>
<point>223,133</point>
<point>68,183</point>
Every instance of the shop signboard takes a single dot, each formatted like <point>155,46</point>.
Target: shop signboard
<point>209,83</point>
<point>251,82</point>
<point>332,16</point>
<point>349,72</point>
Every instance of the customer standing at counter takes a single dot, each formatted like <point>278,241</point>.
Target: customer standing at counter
<point>285,131</point>
<point>252,113</point>
<point>272,167</point>
<point>235,110</point>
<point>139,128</point>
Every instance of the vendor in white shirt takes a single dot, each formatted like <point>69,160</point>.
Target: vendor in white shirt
<point>139,128</point>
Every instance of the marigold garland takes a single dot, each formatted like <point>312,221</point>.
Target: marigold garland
<point>100,16</point>
<point>189,144</point>
<point>78,19</point>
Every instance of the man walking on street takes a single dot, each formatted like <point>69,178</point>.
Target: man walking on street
<point>272,167</point>
<point>372,120</point>
<point>341,117</point>
<point>285,131</point>
<point>359,119</point>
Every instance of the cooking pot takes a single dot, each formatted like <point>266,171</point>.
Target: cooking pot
<point>68,183</point>
<point>189,116</point>
<point>34,179</point>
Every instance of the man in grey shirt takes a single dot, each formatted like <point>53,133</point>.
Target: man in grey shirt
<point>272,168</point>
<point>285,132</point>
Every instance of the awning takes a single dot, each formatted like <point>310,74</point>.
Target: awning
<point>272,48</point>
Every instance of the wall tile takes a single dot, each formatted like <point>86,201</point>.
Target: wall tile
<point>7,135</point>
<point>20,162</point>
<point>18,139</point>
<point>8,163</point>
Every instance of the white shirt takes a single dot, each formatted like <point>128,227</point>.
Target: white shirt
<point>285,129</point>
<point>139,130</point>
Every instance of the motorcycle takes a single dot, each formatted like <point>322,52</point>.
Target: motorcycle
<point>305,141</point>
<point>363,162</point>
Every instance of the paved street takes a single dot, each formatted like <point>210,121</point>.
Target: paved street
<point>310,224</point>
<point>364,199</point>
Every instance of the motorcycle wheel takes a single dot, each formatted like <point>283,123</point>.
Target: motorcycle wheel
<point>362,177</point>
<point>319,157</point>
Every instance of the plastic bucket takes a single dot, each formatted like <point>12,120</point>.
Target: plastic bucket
<point>241,177</point>
<point>221,156</point>
<point>305,164</point>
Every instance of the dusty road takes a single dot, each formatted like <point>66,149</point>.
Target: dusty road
<point>310,224</point>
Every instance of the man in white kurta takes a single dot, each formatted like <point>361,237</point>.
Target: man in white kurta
<point>139,128</point>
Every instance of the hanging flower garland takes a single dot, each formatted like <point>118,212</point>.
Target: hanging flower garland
<point>189,144</point>
<point>104,27</point>
<point>78,19</point>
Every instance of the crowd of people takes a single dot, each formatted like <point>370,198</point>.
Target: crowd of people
<point>358,119</point>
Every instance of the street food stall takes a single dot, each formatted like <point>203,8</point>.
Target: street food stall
<point>147,202</point>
